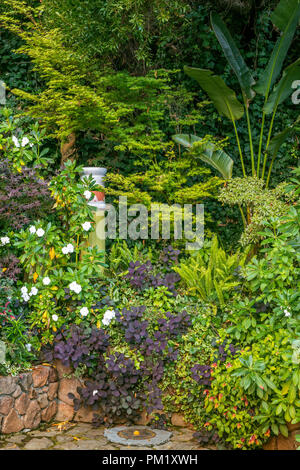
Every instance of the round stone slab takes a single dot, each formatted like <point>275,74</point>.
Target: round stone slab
<point>137,436</point>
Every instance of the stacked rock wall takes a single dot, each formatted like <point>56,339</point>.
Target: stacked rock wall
<point>28,399</point>
<point>41,395</point>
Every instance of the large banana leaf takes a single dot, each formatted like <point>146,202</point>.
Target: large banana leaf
<point>279,138</point>
<point>224,98</point>
<point>283,12</point>
<point>288,23</point>
<point>233,56</point>
<point>284,88</point>
<point>208,153</point>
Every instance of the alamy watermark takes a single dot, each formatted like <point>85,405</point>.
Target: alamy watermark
<point>296,94</point>
<point>2,92</point>
<point>186,222</point>
<point>2,352</point>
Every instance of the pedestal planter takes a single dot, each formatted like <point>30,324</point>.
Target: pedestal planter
<point>98,174</point>
<point>97,238</point>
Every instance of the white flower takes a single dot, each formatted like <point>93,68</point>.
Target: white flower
<point>84,311</point>
<point>24,290</point>
<point>75,287</point>
<point>70,248</point>
<point>40,232</point>
<point>25,141</point>
<point>25,297</point>
<point>33,291</point>
<point>5,240</point>
<point>32,229</point>
<point>95,392</point>
<point>46,281</point>
<point>287,313</point>
<point>86,226</point>
<point>87,194</point>
<point>108,316</point>
<point>54,317</point>
<point>15,141</point>
<point>28,347</point>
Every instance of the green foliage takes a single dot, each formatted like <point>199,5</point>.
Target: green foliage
<point>208,152</point>
<point>224,98</point>
<point>275,277</point>
<point>257,204</point>
<point>182,393</point>
<point>17,342</point>
<point>123,31</point>
<point>172,180</point>
<point>255,394</point>
<point>210,275</point>
<point>22,148</point>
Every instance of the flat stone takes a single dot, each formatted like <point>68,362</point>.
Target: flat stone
<point>17,392</point>
<point>286,443</point>
<point>184,436</point>
<point>25,381</point>
<point>38,444</point>
<point>84,415</point>
<point>94,433</point>
<point>89,444</point>
<point>64,439</point>
<point>49,412</point>
<point>49,432</point>
<point>167,446</point>
<point>8,385</point>
<point>180,446</point>
<point>67,386</point>
<point>53,375</point>
<point>17,438</point>
<point>143,419</point>
<point>22,403</point>
<point>178,420</point>
<point>271,444</point>
<point>160,437</point>
<point>83,429</point>
<point>12,423</point>
<point>64,412</point>
<point>62,370</point>
<point>134,448</point>
<point>32,394</point>
<point>6,404</point>
<point>32,417</point>
<point>10,447</point>
<point>40,376</point>
<point>42,400</point>
<point>52,390</point>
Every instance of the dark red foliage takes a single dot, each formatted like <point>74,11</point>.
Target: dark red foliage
<point>24,197</point>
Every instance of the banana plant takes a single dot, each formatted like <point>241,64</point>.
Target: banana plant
<point>285,17</point>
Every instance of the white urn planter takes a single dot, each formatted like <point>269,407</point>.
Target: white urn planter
<point>98,174</point>
<point>97,237</point>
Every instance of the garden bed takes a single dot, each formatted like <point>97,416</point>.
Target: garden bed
<point>41,396</point>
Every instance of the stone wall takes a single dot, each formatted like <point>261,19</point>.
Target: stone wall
<point>42,395</point>
<point>285,443</point>
<point>28,399</point>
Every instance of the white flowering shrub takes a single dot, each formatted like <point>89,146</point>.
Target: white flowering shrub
<point>61,269</point>
<point>22,148</point>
